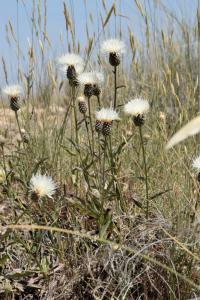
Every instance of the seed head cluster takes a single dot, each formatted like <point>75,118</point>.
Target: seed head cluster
<point>104,119</point>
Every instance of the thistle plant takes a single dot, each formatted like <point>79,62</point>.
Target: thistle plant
<point>104,121</point>
<point>114,48</point>
<point>14,92</point>
<point>91,81</point>
<point>72,65</point>
<point>138,108</point>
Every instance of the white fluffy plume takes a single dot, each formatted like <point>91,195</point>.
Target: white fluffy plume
<point>190,129</point>
<point>12,90</point>
<point>91,78</point>
<point>107,114</point>
<point>137,106</point>
<point>42,185</point>
<point>70,59</point>
<point>113,46</point>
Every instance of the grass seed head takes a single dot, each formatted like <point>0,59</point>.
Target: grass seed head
<point>190,129</point>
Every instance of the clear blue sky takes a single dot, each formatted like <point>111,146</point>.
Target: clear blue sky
<point>130,17</point>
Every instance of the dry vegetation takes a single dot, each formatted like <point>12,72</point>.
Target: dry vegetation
<point>94,238</point>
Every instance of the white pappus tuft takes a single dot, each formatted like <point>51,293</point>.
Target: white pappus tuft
<point>136,107</point>
<point>91,78</point>
<point>70,59</point>
<point>107,115</point>
<point>14,90</point>
<point>113,46</point>
<point>42,185</point>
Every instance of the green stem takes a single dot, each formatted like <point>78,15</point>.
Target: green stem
<point>19,128</point>
<point>103,174</point>
<point>115,87</point>
<point>91,127</point>
<point>62,129</point>
<point>99,101</point>
<point>75,115</point>
<point>145,171</point>
<point>116,185</point>
<point>4,164</point>
<point>86,125</point>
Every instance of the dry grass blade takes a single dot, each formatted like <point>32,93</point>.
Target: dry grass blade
<point>190,129</point>
<point>181,245</point>
<point>113,9</point>
<point>139,6</point>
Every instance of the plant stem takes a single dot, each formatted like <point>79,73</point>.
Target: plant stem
<point>116,185</point>
<point>75,115</point>
<point>19,128</point>
<point>4,164</point>
<point>91,127</point>
<point>86,125</point>
<point>103,174</point>
<point>99,102</point>
<point>115,86</point>
<point>62,129</point>
<point>145,171</point>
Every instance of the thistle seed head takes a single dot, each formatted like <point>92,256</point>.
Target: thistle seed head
<point>82,105</point>
<point>14,103</point>
<point>114,59</point>
<point>98,126</point>
<point>138,120</point>
<point>107,128</point>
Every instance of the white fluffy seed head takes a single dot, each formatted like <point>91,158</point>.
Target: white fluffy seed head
<point>91,78</point>
<point>196,163</point>
<point>136,107</point>
<point>107,115</point>
<point>42,185</point>
<point>13,90</point>
<point>70,59</point>
<point>190,129</point>
<point>113,46</point>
